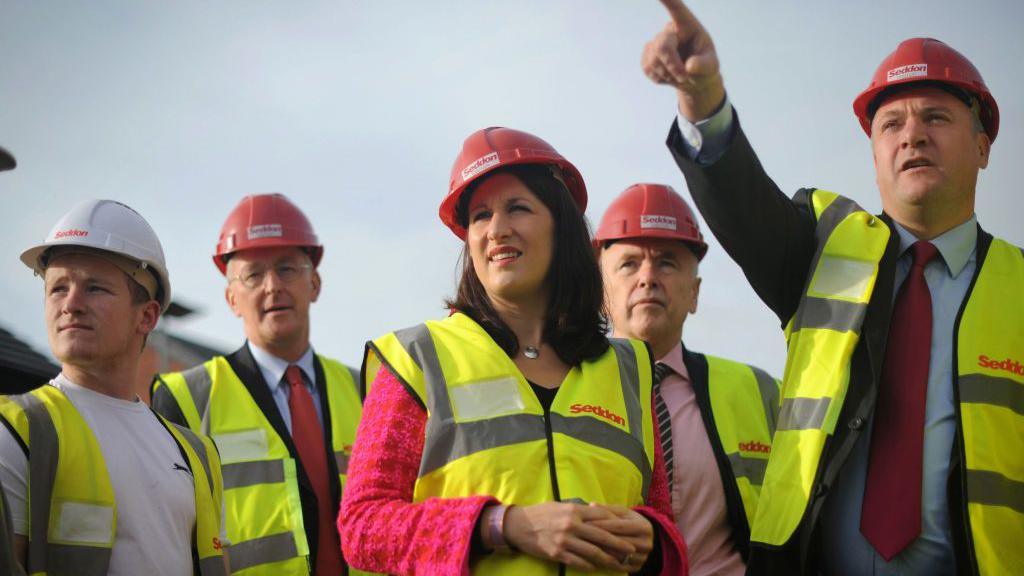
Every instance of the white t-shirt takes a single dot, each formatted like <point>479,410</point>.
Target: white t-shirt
<point>152,483</point>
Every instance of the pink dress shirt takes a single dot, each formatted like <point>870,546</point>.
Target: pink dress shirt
<point>698,499</point>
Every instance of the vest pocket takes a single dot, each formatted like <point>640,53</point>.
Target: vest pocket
<point>486,399</point>
<point>242,445</point>
<point>82,523</point>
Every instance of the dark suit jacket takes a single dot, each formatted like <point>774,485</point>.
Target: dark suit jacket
<point>244,366</point>
<point>772,238</point>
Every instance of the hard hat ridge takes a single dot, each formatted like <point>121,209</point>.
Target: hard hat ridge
<point>489,149</point>
<point>927,61</point>
<point>110,227</point>
<point>651,211</point>
<point>266,221</point>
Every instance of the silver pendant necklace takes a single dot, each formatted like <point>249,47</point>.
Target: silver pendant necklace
<point>531,352</point>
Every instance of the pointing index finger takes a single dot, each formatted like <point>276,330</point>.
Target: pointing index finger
<point>680,14</point>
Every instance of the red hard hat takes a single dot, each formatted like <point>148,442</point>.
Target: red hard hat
<point>928,60</point>
<point>651,211</point>
<point>491,148</point>
<point>266,221</point>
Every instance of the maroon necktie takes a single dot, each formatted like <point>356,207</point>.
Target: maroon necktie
<point>309,442</point>
<point>891,513</point>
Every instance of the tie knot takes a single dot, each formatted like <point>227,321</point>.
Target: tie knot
<point>661,370</point>
<point>923,252</point>
<point>293,375</point>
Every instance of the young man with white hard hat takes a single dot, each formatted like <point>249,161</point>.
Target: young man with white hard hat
<point>715,417</point>
<point>99,484</point>
<point>899,445</point>
<point>283,417</point>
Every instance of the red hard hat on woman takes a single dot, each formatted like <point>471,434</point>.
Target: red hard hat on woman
<point>266,221</point>
<point>651,211</point>
<point>491,148</point>
<point>927,60</point>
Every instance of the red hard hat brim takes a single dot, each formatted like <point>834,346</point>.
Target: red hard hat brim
<point>316,253</point>
<point>989,117</point>
<point>927,61</point>
<point>573,181</point>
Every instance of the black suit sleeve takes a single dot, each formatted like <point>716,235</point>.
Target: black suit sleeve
<point>768,234</point>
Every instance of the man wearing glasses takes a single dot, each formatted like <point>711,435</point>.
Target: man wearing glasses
<point>267,405</point>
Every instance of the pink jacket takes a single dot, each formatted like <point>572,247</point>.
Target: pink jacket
<point>382,530</point>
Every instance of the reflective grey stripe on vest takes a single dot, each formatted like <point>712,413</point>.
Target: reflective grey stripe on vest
<point>197,379</point>
<point>802,413</point>
<point>45,557</point>
<point>440,445</point>
<point>994,489</point>
<point>276,548</point>
<point>838,315</point>
<point>447,443</point>
<point>597,433</point>
<point>212,566</point>
<point>750,468</point>
<point>458,440</point>
<point>341,459</point>
<point>769,397</point>
<point>242,474</point>
<point>985,389</point>
<point>629,376</point>
<point>200,449</point>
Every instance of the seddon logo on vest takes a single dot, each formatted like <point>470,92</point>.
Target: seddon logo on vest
<point>598,411</point>
<point>1008,365</point>
<point>755,446</point>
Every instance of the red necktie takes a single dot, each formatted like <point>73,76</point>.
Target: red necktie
<point>891,513</point>
<point>309,442</point>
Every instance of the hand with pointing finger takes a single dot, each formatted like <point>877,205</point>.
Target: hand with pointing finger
<point>682,55</point>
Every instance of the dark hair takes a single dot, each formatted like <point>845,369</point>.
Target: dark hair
<point>575,325</point>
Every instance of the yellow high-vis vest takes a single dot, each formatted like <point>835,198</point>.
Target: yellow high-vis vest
<point>989,387</point>
<point>261,488</point>
<point>487,433</point>
<point>745,407</point>
<point>71,504</point>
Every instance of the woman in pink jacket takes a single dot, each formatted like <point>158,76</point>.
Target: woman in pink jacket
<point>512,437</point>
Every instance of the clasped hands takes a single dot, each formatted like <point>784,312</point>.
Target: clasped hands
<point>585,537</point>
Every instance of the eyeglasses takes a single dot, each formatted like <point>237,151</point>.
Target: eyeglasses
<point>287,273</point>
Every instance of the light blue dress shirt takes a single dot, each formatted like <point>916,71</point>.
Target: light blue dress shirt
<point>273,369</point>
<point>846,551</point>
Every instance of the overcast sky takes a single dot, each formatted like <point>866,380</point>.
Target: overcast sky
<point>356,110</point>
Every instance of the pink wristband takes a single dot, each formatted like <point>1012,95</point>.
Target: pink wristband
<point>494,531</point>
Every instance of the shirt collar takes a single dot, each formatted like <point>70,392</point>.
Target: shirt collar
<point>275,367</point>
<point>955,245</point>
<point>674,360</point>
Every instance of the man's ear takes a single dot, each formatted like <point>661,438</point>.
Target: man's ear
<point>229,297</point>
<point>150,317</point>
<point>316,286</point>
<point>984,148</point>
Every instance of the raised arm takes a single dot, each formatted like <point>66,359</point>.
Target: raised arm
<point>768,234</point>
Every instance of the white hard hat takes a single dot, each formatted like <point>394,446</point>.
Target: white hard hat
<point>112,227</point>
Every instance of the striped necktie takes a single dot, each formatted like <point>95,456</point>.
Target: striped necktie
<point>664,419</point>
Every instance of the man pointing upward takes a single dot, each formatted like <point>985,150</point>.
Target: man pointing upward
<point>897,449</point>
